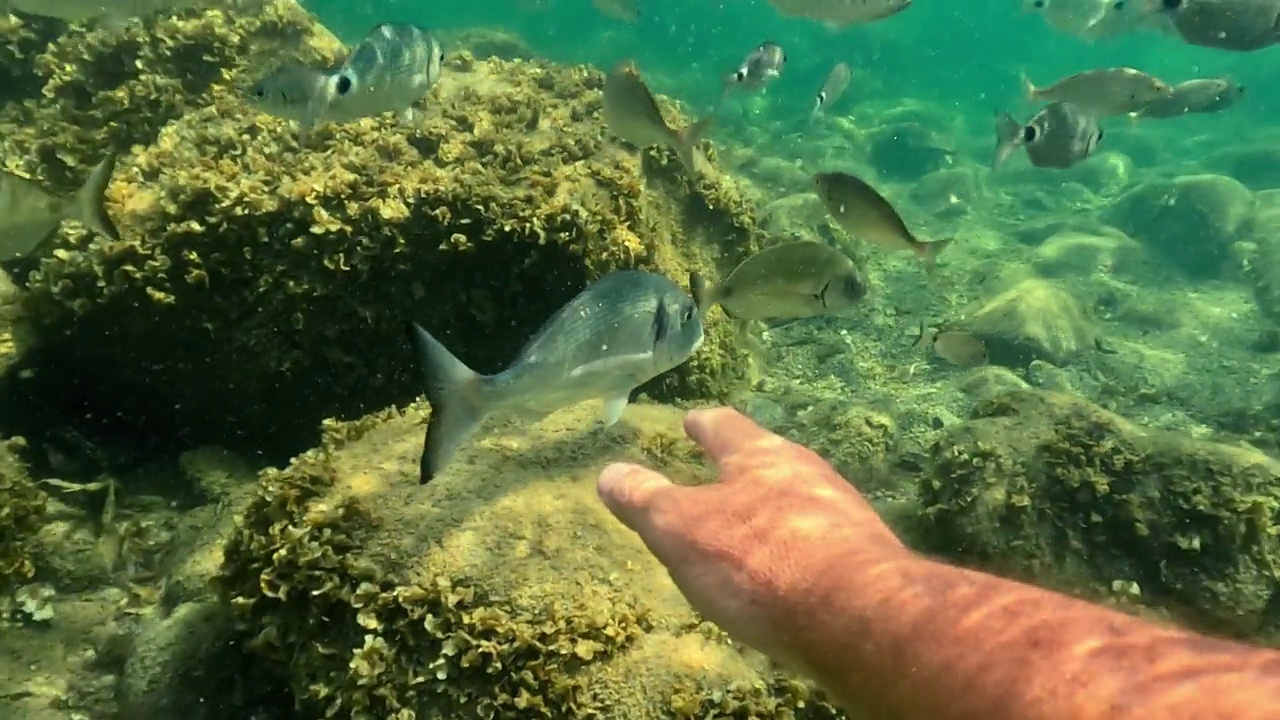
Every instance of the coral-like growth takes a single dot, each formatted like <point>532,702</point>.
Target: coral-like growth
<point>109,88</point>
<point>22,506</point>
<point>261,285</point>
<point>503,589</point>
<point>1055,487</point>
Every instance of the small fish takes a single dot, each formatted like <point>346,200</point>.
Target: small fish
<point>957,348</point>
<point>1058,137</point>
<point>621,331</point>
<point>1236,25</point>
<point>1102,93</point>
<point>832,89</point>
<point>761,67</point>
<point>392,68</point>
<point>785,282</point>
<point>840,13</point>
<point>1096,19</point>
<point>1206,95</point>
<point>29,214</point>
<point>119,12</point>
<point>864,213</point>
<point>625,10</point>
<point>631,113</point>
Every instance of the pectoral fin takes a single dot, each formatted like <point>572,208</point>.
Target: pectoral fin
<point>613,408</point>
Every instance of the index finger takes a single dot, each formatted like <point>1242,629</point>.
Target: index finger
<point>724,431</point>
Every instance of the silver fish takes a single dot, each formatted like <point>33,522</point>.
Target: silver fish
<point>624,10</point>
<point>1059,136</point>
<point>1097,19</point>
<point>392,68</point>
<point>621,331</point>
<point>840,13</point>
<point>1206,95</point>
<point>761,67</point>
<point>1102,93</point>
<point>29,214</point>
<point>832,89</point>
<point>632,113</point>
<point>1238,25</point>
<point>120,11</point>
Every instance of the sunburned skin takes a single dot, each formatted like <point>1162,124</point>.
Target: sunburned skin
<point>786,556</point>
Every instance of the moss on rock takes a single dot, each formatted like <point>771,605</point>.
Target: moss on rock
<point>1053,487</point>
<point>261,285</point>
<point>502,589</point>
<point>22,507</point>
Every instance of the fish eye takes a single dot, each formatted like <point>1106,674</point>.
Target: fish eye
<point>344,85</point>
<point>259,92</point>
<point>688,314</point>
<point>442,58</point>
<point>1099,133</point>
<point>1119,5</point>
<point>1030,134</point>
<point>1038,4</point>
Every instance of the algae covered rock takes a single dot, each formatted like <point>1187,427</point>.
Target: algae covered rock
<point>1072,254</point>
<point>1264,262</point>
<point>1051,486</point>
<point>261,286</point>
<point>502,589</point>
<point>1191,221</point>
<point>1035,319</point>
<point>22,507</point>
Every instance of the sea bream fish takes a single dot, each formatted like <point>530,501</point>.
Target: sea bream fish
<point>831,90</point>
<point>621,331</point>
<point>785,282</point>
<point>1102,93</point>
<point>760,68</point>
<point>867,215</point>
<point>1205,95</point>
<point>840,13</point>
<point>1096,19</point>
<point>118,12</point>
<point>1057,137</point>
<point>1238,25</point>
<point>392,68</point>
<point>29,214</point>
<point>632,114</point>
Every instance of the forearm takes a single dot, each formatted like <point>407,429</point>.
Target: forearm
<point>900,636</point>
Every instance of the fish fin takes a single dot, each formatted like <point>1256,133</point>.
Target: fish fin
<point>1029,89</point>
<point>613,407</point>
<point>703,294</point>
<point>1008,131</point>
<point>89,205</point>
<point>455,393</point>
<point>686,139</point>
<point>919,341</point>
<point>637,364</point>
<point>928,252</point>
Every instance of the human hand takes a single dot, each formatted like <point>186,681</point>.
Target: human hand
<point>757,552</point>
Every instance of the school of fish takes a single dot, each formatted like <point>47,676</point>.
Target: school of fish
<point>630,326</point>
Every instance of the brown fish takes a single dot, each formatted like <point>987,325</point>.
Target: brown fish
<point>958,348</point>
<point>631,113</point>
<point>29,214</point>
<point>865,213</point>
<point>840,13</point>
<point>1102,93</point>
<point>785,282</point>
<point>1205,95</point>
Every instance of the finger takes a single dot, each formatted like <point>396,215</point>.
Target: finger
<point>724,431</point>
<point>631,492</point>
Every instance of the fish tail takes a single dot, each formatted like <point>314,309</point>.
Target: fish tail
<point>684,141</point>
<point>1029,88</point>
<point>89,207</point>
<point>920,340</point>
<point>454,392</point>
<point>929,252</point>
<point>1008,131</point>
<point>703,294</point>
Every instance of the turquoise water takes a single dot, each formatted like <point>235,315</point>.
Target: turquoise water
<point>966,55</point>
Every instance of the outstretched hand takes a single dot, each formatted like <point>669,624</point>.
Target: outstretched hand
<point>749,552</point>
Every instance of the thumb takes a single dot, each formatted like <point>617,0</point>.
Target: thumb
<point>630,492</point>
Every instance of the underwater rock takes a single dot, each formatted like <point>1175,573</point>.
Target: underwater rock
<point>1053,487</point>
<point>483,43</point>
<point>1264,263</point>
<point>1070,255</point>
<point>261,286</point>
<point>22,509</point>
<point>1106,175</point>
<point>798,214</point>
<point>184,666</point>
<point>109,88</point>
<point>1191,221</point>
<point>22,38</point>
<point>1034,319</point>
<point>948,193</point>
<point>502,589</point>
<point>903,152</point>
<point>1257,166</point>
<point>857,441</point>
